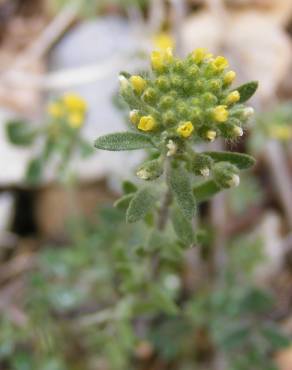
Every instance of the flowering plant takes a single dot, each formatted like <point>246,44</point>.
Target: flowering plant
<point>59,136</point>
<point>178,105</point>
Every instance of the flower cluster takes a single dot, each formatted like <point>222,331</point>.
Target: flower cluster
<point>70,109</point>
<point>188,98</point>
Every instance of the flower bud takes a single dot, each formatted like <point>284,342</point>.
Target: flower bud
<point>147,123</point>
<point>185,129</point>
<point>134,116</point>
<point>167,101</point>
<point>178,66</point>
<point>214,85</point>
<point>172,148</point>
<point>138,83</point>
<point>237,131</point>
<point>177,81</point>
<point>163,83</point>
<point>220,63</point>
<point>150,170</point>
<point>209,99</point>
<point>193,71</point>
<point>201,164</point>
<point>211,135</point>
<point>220,113</point>
<point>198,55</point>
<point>182,108</point>
<point>226,174</point>
<point>157,61</point>
<point>232,97</point>
<point>169,117</point>
<point>229,77</point>
<point>150,95</point>
<point>248,112</point>
<point>124,83</point>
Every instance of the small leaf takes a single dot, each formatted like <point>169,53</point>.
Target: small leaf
<point>205,190</point>
<point>129,187</point>
<point>123,141</point>
<point>123,202</point>
<point>180,184</point>
<point>19,133</point>
<point>247,90</point>
<point>141,203</point>
<point>182,227</point>
<point>240,160</point>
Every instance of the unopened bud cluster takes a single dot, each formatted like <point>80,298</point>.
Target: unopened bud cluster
<point>190,98</point>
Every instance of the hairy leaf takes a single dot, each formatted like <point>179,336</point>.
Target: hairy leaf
<point>180,184</point>
<point>141,203</point>
<point>247,90</point>
<point>182,227</point>
<point>241,161</point>
<point>205,190</point>
<point>123,141</point>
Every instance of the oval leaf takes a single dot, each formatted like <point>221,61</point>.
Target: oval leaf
<point>180,184</point>
<point>141,203</point>
<point>19,133</point>
<point>123,141</point>
<point>247,90</point>
<point>205,190</point>
<point>241,161</point>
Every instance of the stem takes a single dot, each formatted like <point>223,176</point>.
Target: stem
<point>163,215</point>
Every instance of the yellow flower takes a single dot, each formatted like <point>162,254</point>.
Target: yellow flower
<point>157,60</point>
<point>138,83</point>
<point>211,135</point>
<point>160,58</point>
<point>200,54</point>
<point>164,41</point>
<point>185,129</point>
<point>220,63</point>
<point>283,132</point>
<point>55,110</point>
<point>147,123</point>
<point>74,102</point>
<point>134,116</point>
<point>233,97</point>
<point>76,119</point>
<point>220,113</point>
<point>229,77</point>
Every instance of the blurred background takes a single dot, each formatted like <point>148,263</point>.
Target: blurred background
<point>60,239</point>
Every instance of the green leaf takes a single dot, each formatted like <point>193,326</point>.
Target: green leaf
<point>240,160</point>
<point>247,90</point>
<point>128,187</point>
<point>34,171</point>
<point>163,301</point>
<point>141,203</point>
<point>19,133</point>
<point>205,190</point>
<point>180,184</point>
<point>123,202</point>
<point>276,339</point>
<point>182,227</point>
<point>123,141</point>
